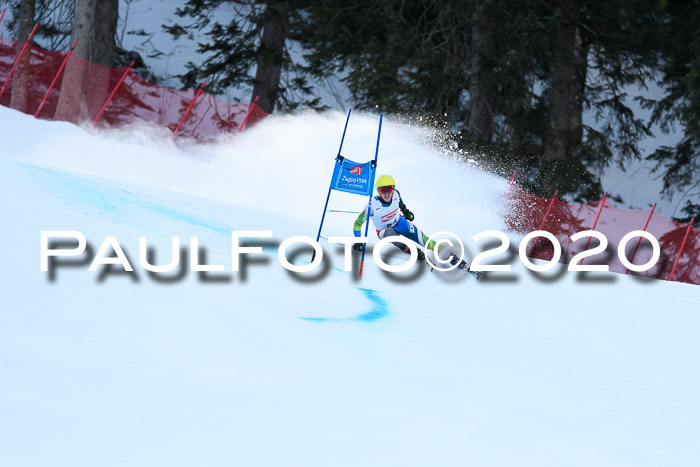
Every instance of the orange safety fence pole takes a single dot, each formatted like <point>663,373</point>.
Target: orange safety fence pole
<point>250,109</point>
<point>640,238</point>
<point>53,83</point>
<point>687,232</point>
<point>187,112</point>
<point>26,44</point>
<point>114,91</point>
<point>602,205</point>
<point>537,240</point>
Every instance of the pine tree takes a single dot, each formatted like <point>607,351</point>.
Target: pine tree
<point>54,19</point>
<point>680,48</point>
<point>20,80</point>
<point>95,27</point>
<point>583,55</point>
<point>516,77</point>
<point>254,36</point>
<point>402,57</point>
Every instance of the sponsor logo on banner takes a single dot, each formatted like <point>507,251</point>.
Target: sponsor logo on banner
<point>354,180</point>
<point>353,177</point>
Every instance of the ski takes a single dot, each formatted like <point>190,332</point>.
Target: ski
<point>464,266</point>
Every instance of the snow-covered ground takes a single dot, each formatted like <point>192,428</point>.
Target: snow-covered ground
<point>270,368</point>
<point>140,29</point>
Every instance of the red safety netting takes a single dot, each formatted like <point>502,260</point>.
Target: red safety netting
<point>526,213</point>
<point>83,88</point>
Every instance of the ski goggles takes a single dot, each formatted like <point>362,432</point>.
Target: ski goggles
<point>383,190</point>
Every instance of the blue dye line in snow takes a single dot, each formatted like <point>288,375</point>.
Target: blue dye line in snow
<point>98,195</point>
<point>380,309</point>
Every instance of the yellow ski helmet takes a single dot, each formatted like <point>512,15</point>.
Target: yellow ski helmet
<point>385,181</point>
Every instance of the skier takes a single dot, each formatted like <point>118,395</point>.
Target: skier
<point>388,222</point>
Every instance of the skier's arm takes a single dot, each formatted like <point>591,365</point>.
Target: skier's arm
<point>404,210</point>
<point>357,227</point>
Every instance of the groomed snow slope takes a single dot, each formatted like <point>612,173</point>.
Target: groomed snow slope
<point>107,369</point>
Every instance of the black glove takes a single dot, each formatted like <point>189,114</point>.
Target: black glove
<point>409,215</point>
<point>358,246</point>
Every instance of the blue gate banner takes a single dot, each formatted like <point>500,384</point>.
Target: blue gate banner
<point>352,177</point>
